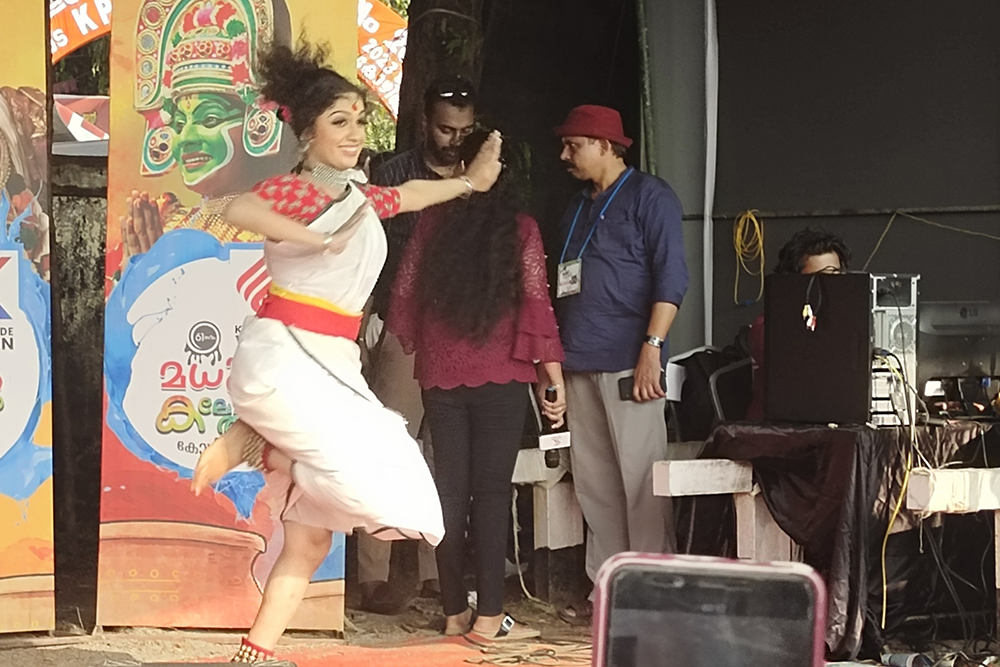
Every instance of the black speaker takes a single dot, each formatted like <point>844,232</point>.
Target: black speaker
<point>818,375</point>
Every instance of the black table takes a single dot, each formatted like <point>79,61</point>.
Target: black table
<point>831,490</point>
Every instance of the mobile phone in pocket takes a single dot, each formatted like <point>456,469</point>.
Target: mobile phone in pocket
<point>686,611</point>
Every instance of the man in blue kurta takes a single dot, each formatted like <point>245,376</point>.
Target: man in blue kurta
<point>622,276</point>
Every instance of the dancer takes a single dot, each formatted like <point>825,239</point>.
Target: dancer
<point>307,417</point>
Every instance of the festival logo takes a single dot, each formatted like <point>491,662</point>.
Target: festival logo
<point>172,328</point>
<point>180,353</point>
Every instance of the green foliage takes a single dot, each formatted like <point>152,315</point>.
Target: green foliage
<point>401,7</point>
<point>381,128</point>
<point>456,41</point>
<point>90,65</point>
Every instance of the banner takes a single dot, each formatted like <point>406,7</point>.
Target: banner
<point>189,134</point>
<point>381,49</point>
<point>74,23</point>
<point>381,40</point>
<point>27,581</point>
<point>80,118</point>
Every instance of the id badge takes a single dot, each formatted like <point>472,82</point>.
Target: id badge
<point>568,278</point>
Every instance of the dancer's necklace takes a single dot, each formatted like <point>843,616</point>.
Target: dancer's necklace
<point>324,174</point>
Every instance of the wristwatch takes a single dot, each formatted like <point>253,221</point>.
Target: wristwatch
<point>655,341</point>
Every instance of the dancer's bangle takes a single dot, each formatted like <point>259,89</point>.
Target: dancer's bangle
<point>327,242</point>
<point>253,451</point>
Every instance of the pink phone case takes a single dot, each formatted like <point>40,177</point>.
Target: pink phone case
<point>682,564</point>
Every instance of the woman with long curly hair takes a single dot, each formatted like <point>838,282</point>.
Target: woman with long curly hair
<point>472,300</point>
<point>339,458</point>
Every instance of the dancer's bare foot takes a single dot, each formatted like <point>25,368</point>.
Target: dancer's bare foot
<point>220,457</point>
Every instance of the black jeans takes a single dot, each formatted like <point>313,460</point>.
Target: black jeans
<point>477,433</point>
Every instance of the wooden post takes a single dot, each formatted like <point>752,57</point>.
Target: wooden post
<point>559,554</point>
<point>758,537</point>
<point>558,526</point>
<point>996,562</point>
<point>959,491</point>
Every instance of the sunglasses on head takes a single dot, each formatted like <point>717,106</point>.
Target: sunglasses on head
<point>448,91</point>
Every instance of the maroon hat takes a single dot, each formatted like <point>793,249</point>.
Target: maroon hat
<point>591,120</point>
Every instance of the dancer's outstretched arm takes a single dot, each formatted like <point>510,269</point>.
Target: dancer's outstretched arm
<point>480,176</point>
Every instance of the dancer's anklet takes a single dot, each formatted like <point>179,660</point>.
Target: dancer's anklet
<point>254,452</point>
<point>250,653</point>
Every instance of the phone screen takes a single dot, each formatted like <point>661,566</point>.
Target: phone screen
<point>661,618</point>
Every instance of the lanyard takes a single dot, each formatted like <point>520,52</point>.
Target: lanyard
<point>572,227</point>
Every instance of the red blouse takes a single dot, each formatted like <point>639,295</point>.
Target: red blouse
<point>295,197</point>
<point>519,340</point>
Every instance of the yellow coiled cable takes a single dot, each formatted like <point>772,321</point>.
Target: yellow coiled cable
<point>748,241</point>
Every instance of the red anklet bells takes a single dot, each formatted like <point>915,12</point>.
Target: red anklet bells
<point>252,654</point>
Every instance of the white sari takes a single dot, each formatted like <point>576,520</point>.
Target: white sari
<point>356,465</point>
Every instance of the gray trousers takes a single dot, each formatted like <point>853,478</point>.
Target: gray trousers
<point>614,445</point>
<point>393,382</point>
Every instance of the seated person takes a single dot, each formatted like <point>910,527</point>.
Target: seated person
<point>809,251</point>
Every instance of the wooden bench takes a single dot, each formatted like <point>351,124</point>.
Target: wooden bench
<point>958,491</point>
<point>558,523</point>
<point>758,537</point>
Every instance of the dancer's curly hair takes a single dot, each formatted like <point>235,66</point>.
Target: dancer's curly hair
<point>808,243</point>
<point>470,272</point>
<point>301,81</point>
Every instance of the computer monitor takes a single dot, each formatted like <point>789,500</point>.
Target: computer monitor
<point>958,339</point>
<point>957,347</point>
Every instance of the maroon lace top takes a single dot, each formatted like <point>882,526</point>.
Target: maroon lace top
<point>445,360</point>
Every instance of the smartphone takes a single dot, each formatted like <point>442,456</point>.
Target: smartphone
<point>688,611</point>
<point>627,384</point>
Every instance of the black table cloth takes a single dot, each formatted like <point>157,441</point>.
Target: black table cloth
<point>831,490</point>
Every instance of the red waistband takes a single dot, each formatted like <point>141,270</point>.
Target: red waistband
<point>310,317</point>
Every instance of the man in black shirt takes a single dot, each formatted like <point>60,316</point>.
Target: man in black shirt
<point>449,117</point>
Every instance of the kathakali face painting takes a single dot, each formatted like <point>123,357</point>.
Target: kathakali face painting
<point>206,127</point>
<point>197,88</point>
